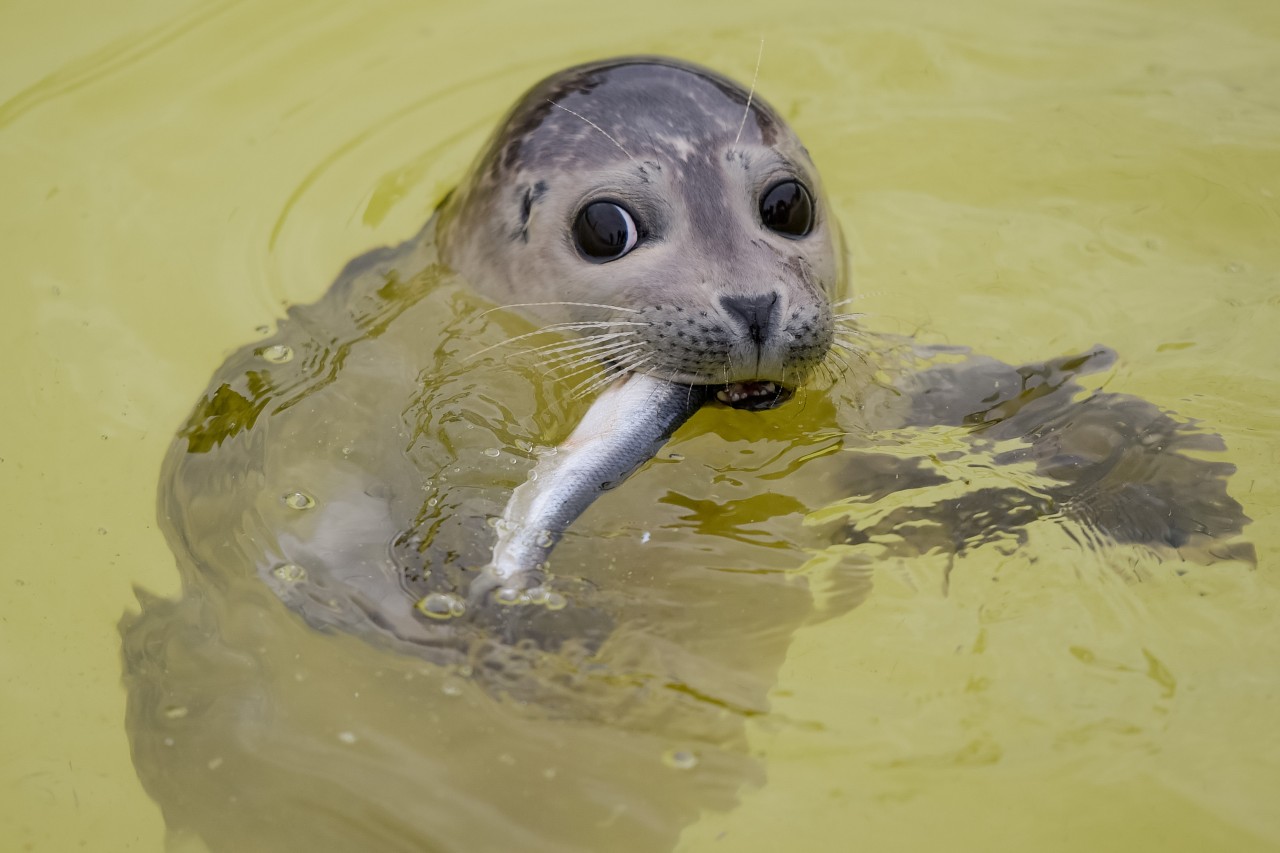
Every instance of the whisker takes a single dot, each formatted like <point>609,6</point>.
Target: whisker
<point>750,94</point>
<point>597,127</point>
<point>555,327</point>
<point>556,347</point>
<point>614,372</point>
<point>546,304</point>
<point>589,362</point>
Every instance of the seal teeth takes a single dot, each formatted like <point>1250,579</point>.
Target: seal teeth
<point>740,391</point>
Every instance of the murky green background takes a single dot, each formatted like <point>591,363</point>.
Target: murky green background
<point>1028,178</point>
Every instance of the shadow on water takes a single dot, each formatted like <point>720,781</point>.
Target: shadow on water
<point>349,465</point>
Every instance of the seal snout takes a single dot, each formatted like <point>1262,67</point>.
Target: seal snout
<point>758,314</point>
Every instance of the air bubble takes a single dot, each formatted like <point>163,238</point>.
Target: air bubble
<point>492,452</point>
<point>555,601</point>
<point>680,759</point>
<point>544,539</point>
<point>276,353</point>
<point>509,596</point>
<point>289,572</point>
<point>347,737</point>
<point>441,605</point>
<point>175,712</point>
<point>299,500</point>
<point>538,595</point>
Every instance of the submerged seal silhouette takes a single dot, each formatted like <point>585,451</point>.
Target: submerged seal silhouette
<point>665,211</point>
<point>670,217</point>
<point>349,464</point>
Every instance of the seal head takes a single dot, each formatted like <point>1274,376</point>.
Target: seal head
<point>670,210</point>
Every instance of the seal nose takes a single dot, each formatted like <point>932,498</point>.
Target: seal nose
<point>758,313</point>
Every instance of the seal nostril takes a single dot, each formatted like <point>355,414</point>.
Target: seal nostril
<point>758,313</point>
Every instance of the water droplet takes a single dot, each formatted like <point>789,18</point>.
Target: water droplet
<point>276,353</point>
<point>509,596</point>
<point>299,500</point>
<point>680,759</point>
<point>556,601</point>
<point>441,605</point>
<point>175,712</point>
<point>347,737</point>
<point>289,572</point>
<point>676,457</point>
<point>492,452</point>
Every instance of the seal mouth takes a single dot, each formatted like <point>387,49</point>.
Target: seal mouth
<point>754,396</point>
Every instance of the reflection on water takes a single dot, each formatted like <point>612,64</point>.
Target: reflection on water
<point>345,468</point>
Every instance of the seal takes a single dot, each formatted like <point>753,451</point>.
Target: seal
<point>357,462</point>
<point>665,212</point>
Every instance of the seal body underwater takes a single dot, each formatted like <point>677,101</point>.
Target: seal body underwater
<point>661,224</point>
<point>670,222</point>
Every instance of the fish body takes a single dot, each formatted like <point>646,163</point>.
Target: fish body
<point>623,429</point>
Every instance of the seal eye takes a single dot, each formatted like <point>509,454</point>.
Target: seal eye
<point>605,231</point>
<point>787,208</point>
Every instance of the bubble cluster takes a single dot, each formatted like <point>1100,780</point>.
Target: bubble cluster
<point>298,500</point>
<point>441,605</point>
<point>289,573</point>
<point>276,353</point>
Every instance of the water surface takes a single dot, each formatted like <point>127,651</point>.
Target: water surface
<point>1026,179</point>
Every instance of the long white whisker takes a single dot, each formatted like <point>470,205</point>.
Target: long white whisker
<point>596,126</point>
<point>750,94</point>
<point>555,327</point>
<point>614,372</point>
<point>545,304</point>
<point>588,362</point>
<point>556,348</point>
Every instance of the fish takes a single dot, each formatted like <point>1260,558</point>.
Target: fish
<point>623,428</point>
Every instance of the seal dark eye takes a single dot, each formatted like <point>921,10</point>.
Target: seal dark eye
<point>605,231</point>
<point>787,208</point>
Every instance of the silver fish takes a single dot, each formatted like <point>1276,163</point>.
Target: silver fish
<point>621,431</point>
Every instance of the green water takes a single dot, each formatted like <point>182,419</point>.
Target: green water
<point>1025,178</point>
